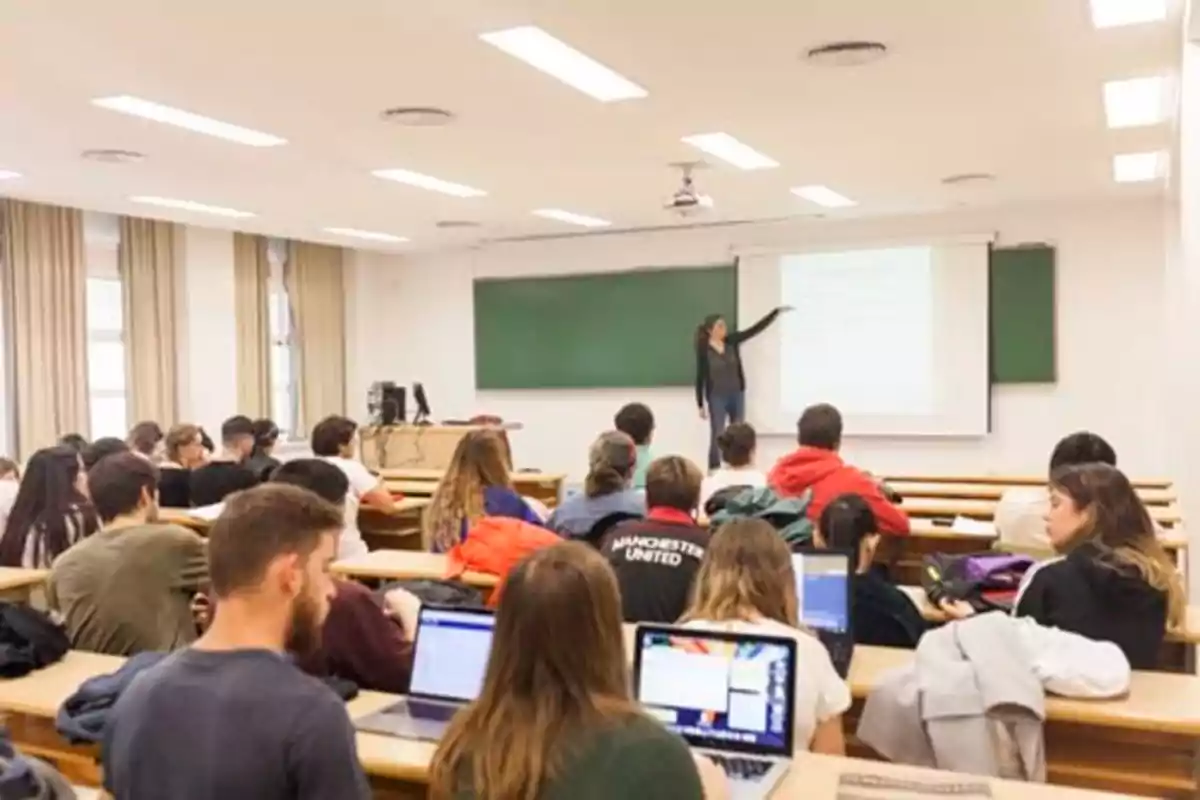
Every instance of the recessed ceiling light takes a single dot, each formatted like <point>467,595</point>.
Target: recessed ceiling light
<point>146,109</point>
<point>372,236</point>
<point>8,175</point>
<point>188,205</point>
<point>823,196</point>
<point>417,116</point>
<point>846,54</point>
<point>559,60</point>
<point>1135,103</point>
<point>571,218</point>
<point>727,148</point>
<point>428,182</point>
<point>1115,13</point>
<point>111,156</point>
<point>1138,167</point>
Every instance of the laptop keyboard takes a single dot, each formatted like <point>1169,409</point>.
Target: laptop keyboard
<point>745,769</point>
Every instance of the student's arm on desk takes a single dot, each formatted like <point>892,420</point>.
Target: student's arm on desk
<point>371,490</point>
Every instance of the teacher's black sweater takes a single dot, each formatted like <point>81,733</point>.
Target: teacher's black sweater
<point>732,340</point>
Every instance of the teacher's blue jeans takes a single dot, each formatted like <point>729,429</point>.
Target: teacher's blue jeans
<point>722,410</point>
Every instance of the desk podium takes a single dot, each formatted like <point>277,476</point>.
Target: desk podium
<point>417,446</point>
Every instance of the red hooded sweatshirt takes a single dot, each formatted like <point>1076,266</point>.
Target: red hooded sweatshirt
<point>828,476</point>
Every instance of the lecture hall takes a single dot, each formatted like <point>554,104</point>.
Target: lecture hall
<point>516,400</point>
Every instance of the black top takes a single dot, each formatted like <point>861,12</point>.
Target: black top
<point>883,615</point>
<point>174,488</point>
<point>655,563</point>
<point>1095,596</point>
<point>262,465</point>
<point>213,482</point>
<point>732,340</point>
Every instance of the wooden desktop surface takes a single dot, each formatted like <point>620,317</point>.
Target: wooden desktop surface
<point>435,475</point>
<point>986,509</point>
<point>394,565</point>
<point>404,507</point>
<point>994,491</point>
<point>1006,480</point>
<point>18,583</point>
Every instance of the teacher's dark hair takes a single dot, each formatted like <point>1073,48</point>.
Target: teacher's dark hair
<point>704,329</point>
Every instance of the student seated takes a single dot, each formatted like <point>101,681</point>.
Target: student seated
<point>51,511</point>
<point>1115,582</point>
<point>1021,513</point>
<point>145,439</point>
<point>362,640</point>
<point>184,453</point>
<point>333,442</point>
<point>883,615</point>
<point>746,585</point>
<point>226,473</point>
<point>128,587</point>
<point>607,494</point>
<point>231,715</point>
<point>555,719</point>
<point>816,465</point>
<point>476,484</point>
<point>76,441</point>
<point>102,448</point>
<point>737,444</point>
<point>655,559</point>
<point>261,462</point>
<point>636,421</point>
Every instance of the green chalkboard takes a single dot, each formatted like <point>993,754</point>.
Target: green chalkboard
<point>616,329</point>
<point>1022,314</point>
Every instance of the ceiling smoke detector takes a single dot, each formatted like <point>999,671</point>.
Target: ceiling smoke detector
<point>846,54</point>
<point>114,156</point>
<point>417,116</point>
<point>968,179</point>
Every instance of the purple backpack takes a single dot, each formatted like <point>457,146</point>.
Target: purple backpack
<point>987,580</point>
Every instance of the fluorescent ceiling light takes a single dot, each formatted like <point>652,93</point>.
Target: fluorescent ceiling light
<point>1135,103</point>
<point>8,174</point>
<point>572,218</point>
<point>727,148</point>
<point>823,196</point>
<point>369,235</point>
<point>428,182</point>
<point>1138,167</point>
<point>1115,13</point>
<point>559,60</point>
<point>188,205</point>
<point>135,106</point>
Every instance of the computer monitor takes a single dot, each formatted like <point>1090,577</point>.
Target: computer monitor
<point>823,589</point>
<point>726,691</point>
<point>451,653</point>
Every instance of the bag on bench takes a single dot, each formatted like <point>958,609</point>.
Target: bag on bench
<point>987,580</point>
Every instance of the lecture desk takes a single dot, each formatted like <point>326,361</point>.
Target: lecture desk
<point>546,487</point>
<point>394,565</point>
<point>994,491</point>
<point>1119,744</point>
<point>1006,480</point>
<point>18,585</point>
<point>986,509</point>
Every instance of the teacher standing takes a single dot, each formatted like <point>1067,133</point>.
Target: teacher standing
<point>720,380</point>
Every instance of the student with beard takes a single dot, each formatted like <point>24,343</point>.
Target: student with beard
<point>232,716</point>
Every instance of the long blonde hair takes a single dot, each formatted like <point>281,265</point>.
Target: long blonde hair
<point>556,673</point>
<point>1120,528</point>
<point>480,460</point>
<point>746,571</point>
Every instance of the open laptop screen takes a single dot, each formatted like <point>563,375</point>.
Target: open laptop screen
<point>451,653</point>
<point>718,690</point>
<point>823,590</point>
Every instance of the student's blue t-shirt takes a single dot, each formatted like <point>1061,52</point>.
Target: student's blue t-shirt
<point>644,457</point>
<point>576,516</point>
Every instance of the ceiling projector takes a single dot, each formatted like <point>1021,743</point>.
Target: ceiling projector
<point>687,199</point>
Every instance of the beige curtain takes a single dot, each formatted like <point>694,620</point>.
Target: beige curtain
<point>148,260</point>
<point>45,285</point>
<point>317,296</point>
<point>251,285</point>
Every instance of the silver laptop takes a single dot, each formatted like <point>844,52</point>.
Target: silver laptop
<point>450,658</point>
<point>730,695</point>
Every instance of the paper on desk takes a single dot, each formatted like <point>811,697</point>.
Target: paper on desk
<point>207,513</point>
<point>972,527</point>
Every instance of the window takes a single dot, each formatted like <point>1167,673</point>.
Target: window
<point>285,387</point>
<point>106,357</point>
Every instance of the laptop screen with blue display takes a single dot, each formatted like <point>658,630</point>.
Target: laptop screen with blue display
<point>451,653</point>
<point>823,590</point>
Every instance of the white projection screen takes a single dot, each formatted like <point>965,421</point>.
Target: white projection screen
<point>895,336</point>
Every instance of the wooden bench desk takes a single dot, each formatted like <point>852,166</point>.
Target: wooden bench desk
<point>545,487</point>
<point>394,565</point>
<point>18,585</point>
<point>392,526</point>
<point>994,491</point>
<point>986,509</point>
<point>1006,480</point>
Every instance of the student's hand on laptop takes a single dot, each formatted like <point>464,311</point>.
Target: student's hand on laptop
<point>956,609</point>
<point>712,779</point>
<point>404,607</point>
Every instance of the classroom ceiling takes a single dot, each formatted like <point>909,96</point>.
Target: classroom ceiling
<point>1007,87</point>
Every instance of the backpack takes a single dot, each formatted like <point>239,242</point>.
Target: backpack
<point>988,581</point>
<point>787,515</point>
<point>494,545</point>
<point>29,640</point>
<point>438,593</point>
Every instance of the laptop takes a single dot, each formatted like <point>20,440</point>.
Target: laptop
<point>731,696</point>
<point>450,658</point>
<point>825,595</point>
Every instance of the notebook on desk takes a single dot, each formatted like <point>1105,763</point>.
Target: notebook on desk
<point>450,658</point>
<point>825,600</point>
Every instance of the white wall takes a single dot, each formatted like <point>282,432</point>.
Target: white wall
<point>415,322</point>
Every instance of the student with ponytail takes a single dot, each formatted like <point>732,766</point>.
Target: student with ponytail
<point>607,490</point>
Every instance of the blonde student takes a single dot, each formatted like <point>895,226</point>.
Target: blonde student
<point>746,585</point>
<point>555,719</point>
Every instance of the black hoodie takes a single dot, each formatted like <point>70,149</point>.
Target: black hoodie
<point>1089,593</point>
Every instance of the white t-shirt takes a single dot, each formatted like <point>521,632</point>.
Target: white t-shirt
<point>361,482</point>
<point>1020,518</point>
<point>820,692</point>
<point>725,477</point>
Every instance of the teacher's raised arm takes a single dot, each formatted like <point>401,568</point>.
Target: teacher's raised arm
<point>720,380</point>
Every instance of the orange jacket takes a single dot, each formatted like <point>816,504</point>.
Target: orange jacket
<point>494,545</point>
<point>828,476</point>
